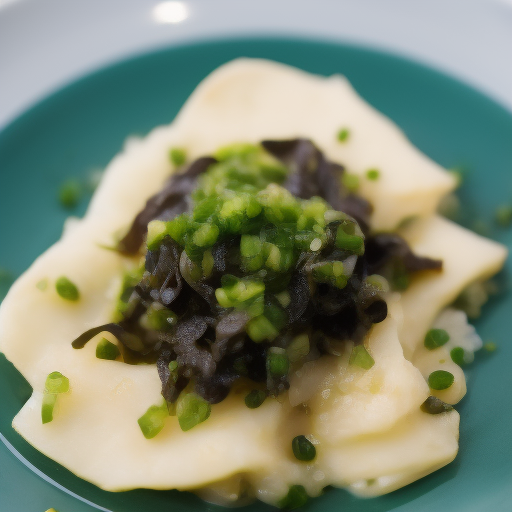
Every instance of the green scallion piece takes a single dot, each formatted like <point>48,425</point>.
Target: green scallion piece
<point>457,355</point>
<point>153,420</point>
<point>67,289</point>
<point>177,156</point>
<point>298,348</point>
<point>490,346</point>
<point>107,350</point>
<point>303,449</point>
<point>440,379</point>
<point>350,182</point>
<point>278,364</point>
<point>206,235</point>
<point>191,409</point>
<point>260,329</point>
<point>433,405</point>
<point>373,174</point>
<point>157,229</point>
<point>436,338</point>
<point>296,497</point>
<point>503,215</point>
<point>49,401</point>
<point>343,134</point>
<point>56,383</point>
<point>69,194</point>
<point>159,319</point>
<point>361,357</point>
<point>347,242</point>
<point>255,398</point>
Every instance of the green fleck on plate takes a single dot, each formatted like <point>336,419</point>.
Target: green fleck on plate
<point>81,127</point>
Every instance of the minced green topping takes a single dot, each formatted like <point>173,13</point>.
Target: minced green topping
<point>490,346</point>
<point>433,405</point>
<point>373,174</point>
<point>351,182</point>
<point>67,289</point>
<point>255,398</point>
<point>191,409</point>
<point>153,420</point>
<point>177,156</point>
<point>343,135</point>
<point>69,193</point>
<point>503,215</point>
<point>240,196</point>
<point>303,449</point>
<point>106,350</point>
<point>361,357</point>
<point>440,379</point>
<point>436,338</point>
<point>457,355</point>
<point>296,497</point>
<point>55,384</point>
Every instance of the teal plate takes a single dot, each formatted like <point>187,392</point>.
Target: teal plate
<point>84,125</point>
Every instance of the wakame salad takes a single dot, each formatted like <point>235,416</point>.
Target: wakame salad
<point>256,260</point>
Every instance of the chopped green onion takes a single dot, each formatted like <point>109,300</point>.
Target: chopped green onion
<point>490,346</point>
<point>373,174</point>
<point>349,242</point>
<point>153,420</point>
<point>191,409</point>
<point>343,134</point>
<point>206,235</point>
<point>255,398</point>
<point>298,348</point>
<point>250,246</point>
<point>260,328</point>
<point>284,298</point>
<point>457,355</point>
<point>436,338</point>
<point>440,379</point>
<point>278,363</point>
<point>207,264</point>
<point>360,357</point>
<point>69,194</point>
<point>296,497</point>
<point>106,350</point>
<point>433,405</point>
<point>157,229</point>
<point>503,215</point>
<point>303,449</point>
<point>159,318</point>
<point>177,156</point>
<point>57,383</point>
<point>49,400</point>
<point>350,182</point>
<point>66,289</point>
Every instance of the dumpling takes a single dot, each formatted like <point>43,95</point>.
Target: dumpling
<point>373,436</point>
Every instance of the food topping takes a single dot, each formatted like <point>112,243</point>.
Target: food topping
<point>256,260</point>
<point>56,383</point>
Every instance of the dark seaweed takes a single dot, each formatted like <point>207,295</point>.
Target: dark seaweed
<point>173,199</point>
<point>312,175</point>
<point>209,343</point>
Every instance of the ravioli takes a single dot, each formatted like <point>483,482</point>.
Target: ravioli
<point>373,438</point>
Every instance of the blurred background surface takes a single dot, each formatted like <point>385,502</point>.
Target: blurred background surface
<point>45,44</point>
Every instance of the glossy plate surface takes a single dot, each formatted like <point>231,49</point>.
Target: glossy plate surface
<point>83,126</point>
